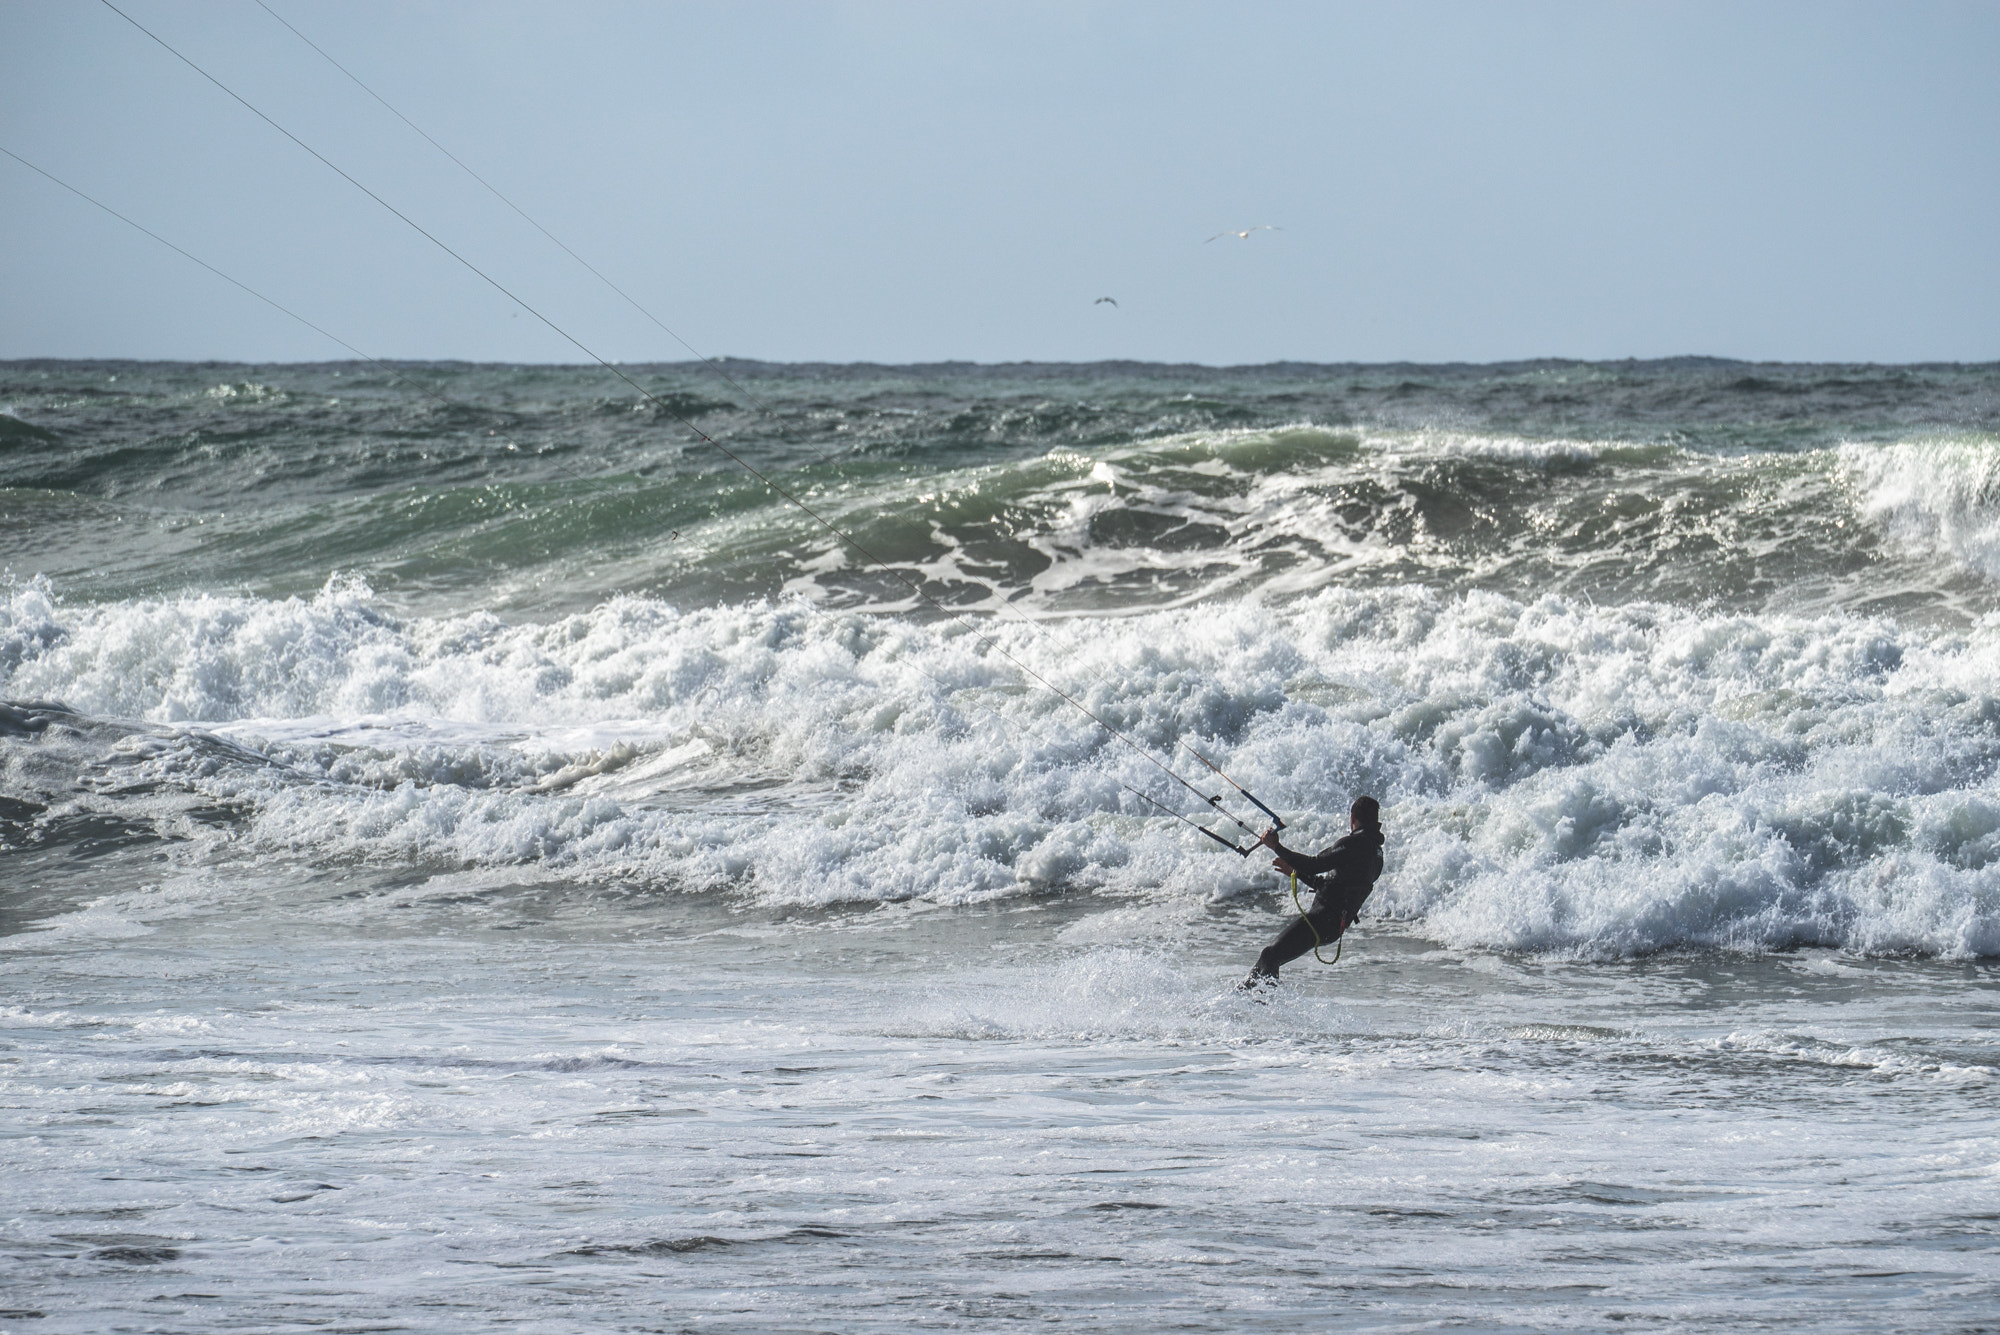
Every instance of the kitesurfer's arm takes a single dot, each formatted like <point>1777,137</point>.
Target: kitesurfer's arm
<point>1305,864</point>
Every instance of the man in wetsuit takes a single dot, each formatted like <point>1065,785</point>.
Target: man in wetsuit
<point>1341,877</point>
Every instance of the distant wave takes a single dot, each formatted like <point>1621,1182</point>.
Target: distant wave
<point>1109,488</point>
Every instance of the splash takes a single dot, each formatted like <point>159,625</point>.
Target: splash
<point>1556,777</point>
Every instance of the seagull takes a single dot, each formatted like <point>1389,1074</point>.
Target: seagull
<point>1244,234</point>
<point>1101,300</point>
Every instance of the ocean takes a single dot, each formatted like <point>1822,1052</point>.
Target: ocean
<point>472,856</point>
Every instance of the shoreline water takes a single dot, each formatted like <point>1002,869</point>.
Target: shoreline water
<point>794,1122</point>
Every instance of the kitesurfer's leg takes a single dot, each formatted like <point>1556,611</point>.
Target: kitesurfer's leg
<point>1296,939</point>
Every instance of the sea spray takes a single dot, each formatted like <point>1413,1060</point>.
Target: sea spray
<point>1556,776</point>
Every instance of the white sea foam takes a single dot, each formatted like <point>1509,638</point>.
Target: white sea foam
<point>1181,519</point>
<point>1939,494</point>
<point>1556,777</point>
<point>1475,445</point>
<point>1833,1053</point>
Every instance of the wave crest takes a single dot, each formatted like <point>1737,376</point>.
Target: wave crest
<point>1555,776</point>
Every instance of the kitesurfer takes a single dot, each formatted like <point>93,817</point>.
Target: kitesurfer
<point>1341,877</point>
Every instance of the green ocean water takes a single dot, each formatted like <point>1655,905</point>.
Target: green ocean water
<point>1080,488</point>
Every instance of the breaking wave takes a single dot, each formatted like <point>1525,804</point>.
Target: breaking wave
<point>1556,776</point>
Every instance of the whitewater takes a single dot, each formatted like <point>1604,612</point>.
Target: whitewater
<point>472,855</point>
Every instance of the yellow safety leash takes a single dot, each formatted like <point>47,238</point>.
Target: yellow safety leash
<point>1317,943</point>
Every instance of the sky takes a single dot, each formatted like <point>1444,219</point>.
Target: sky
<point>890,182</point>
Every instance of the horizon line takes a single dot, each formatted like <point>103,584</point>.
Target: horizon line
<point>1679,359</point>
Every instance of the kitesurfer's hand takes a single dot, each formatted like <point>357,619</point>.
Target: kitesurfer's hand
<point>1269,838</point>
<point>1282,865</point>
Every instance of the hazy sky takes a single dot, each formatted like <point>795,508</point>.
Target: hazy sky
<point>915,182</point>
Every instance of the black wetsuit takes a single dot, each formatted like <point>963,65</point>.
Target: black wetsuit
<point>1341,877</point>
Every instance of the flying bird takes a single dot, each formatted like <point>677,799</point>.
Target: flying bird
<point>1101,300</point>
<point>1244,234</point>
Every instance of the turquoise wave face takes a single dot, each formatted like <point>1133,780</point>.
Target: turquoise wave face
<point>1068,489</point>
